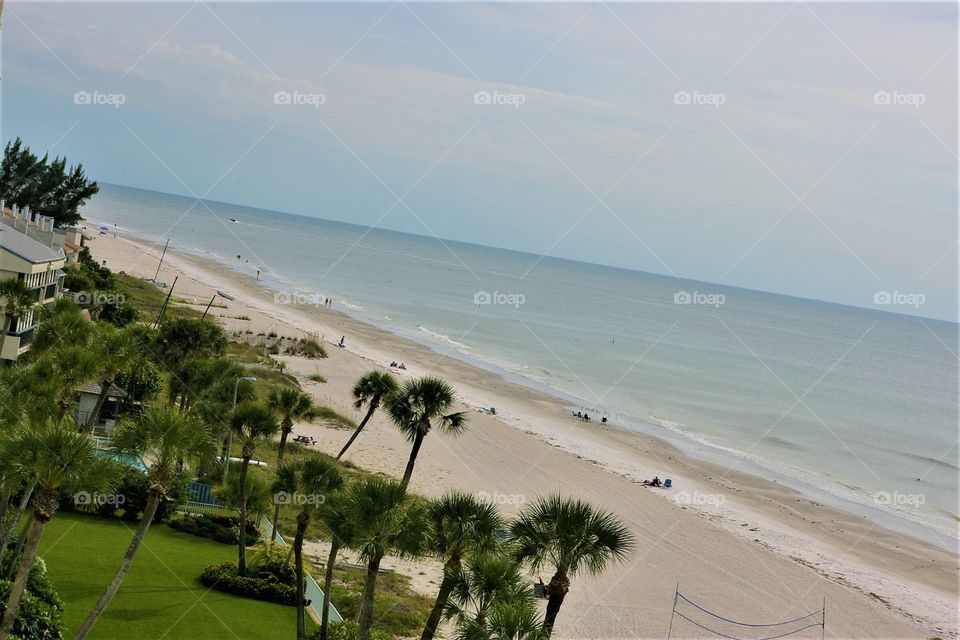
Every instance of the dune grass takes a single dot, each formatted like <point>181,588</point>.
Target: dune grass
<point>162,596</point>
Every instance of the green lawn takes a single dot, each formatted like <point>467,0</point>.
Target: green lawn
<point>162,596</point>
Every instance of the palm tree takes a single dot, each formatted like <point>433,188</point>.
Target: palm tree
<point>386,520</point>
<point>58,460</point>
<point>251,424</point>
<point>513,620</point>
<point>460,525</point>
<point>17,299</point>
<point>416,406</point>
<point>165,438</point>
<point>60,323</point>
<point>371,389</point>
<point>68,368</point>
<point>483,584</point>
<point>570,536</point>
<point>291,405</point>
<point>116,349</point>
<point>305,482</point>
<point>341,530</point>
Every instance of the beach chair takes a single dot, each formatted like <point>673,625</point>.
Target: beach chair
<point>667,483</point>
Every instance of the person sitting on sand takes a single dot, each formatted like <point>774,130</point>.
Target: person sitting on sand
<point>652,483</point>
<point>586,417</point>
<point>393,363</point>
<point>402,366</point>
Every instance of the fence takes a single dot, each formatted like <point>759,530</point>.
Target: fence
<point>686,609</point>
<point>313,591</point>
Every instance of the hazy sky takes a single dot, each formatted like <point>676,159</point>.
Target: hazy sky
<point>785,172</point>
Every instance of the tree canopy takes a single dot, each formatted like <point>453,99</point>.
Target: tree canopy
<point>48,187</point>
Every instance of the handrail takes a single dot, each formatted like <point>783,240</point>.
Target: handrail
<point>313,591</point>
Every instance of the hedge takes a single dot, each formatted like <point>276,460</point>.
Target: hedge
<point>223,577</point>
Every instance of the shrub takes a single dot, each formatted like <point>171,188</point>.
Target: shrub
<point>223,529</point>
<point>350,630</point>
<point>308,348</point>
<point>40,608</point>
<point>223,577</point>
<point>268,560</point>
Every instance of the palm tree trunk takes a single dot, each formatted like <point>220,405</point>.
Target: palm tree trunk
<point>95,414</point>
<point>408,472</point>
<point>327,584</point>
<point>556,592</point>
<point>298,563</point>
<point>24,530</point>
<point>356,432</point>
<point>149,511</point>
<point>20,582</point>
<point>242,541</point>
<point>446,586</point>
<point>24,501</point>
<point>365,615</point>
<point>4,499</point>
<point>276,507</point>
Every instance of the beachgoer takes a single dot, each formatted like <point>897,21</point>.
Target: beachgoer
<point>402,366</point>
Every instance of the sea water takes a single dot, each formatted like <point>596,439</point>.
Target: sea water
<point>859,404</point>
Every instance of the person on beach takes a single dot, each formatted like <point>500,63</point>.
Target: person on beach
<point>343,342</point>
<point>652,483</point>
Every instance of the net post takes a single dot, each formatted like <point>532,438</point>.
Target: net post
<point>673,612</point>
<point>823,618</point>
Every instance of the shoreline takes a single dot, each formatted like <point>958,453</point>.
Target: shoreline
<point>877,568</point>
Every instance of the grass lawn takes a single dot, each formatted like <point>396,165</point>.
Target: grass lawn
<point>162,596</point>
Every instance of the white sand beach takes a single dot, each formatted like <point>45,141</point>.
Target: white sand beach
<point>760,552</point>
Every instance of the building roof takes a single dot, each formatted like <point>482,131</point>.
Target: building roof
<point>94,388</point>
<point>26,247</point>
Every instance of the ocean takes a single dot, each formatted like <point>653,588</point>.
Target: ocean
<point>854,405</point>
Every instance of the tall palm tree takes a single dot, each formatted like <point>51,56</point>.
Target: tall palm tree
<point>571,537</point>
<point>165,438</point>
<point>371,390</point>
<point>387,520</point>
<point>117,349</point>
<point>251,424</point>
<point>483,585</point>
<point>335,519</point>
<point>58,460</point>
<point>460,525</point>
<point>291,405</point>
<point>418,406</point>
<point>17,299</point>
<point>305,482</point>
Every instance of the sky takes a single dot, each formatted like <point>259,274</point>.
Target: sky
<point>808,149</point>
